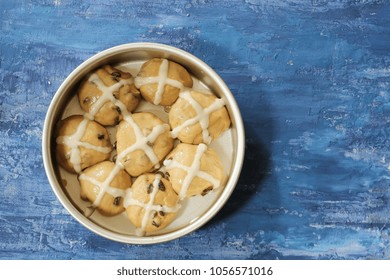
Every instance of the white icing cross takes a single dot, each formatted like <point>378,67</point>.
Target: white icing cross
<point>149,206</point>
<point>161,80</point>
<point>104,187</point>
<point>108,93</point>
<point>74,142</point>
<point>202,116</point>
<point>143,142</point>
<point>192,171</point>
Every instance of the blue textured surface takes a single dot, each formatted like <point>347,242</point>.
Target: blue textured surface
<point>312,79</point>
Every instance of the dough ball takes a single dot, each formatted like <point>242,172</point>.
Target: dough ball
<point>198,117</point>
<point>143,140</point>
<point>107,196</point>
<point>99,93</point>
<point>160,81</point>
<point>194,170</point>
<point>151,204</point>
<point>81,143</point>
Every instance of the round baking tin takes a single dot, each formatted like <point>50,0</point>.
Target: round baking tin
<point>139,52</point>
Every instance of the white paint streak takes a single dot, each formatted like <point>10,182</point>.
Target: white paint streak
<point>377,72</point>
<point>368,155</point>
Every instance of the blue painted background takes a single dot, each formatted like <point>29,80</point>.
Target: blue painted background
<point>312,79</point>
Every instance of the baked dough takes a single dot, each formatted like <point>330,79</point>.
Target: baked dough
<point>160,81</point>
<point>151,203</point>
<point>194,170</point>
<point>198,117</point>
<point>143,140</point>
<point>81,143</point>
<point>98,93</point>
<point>104,185</point>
